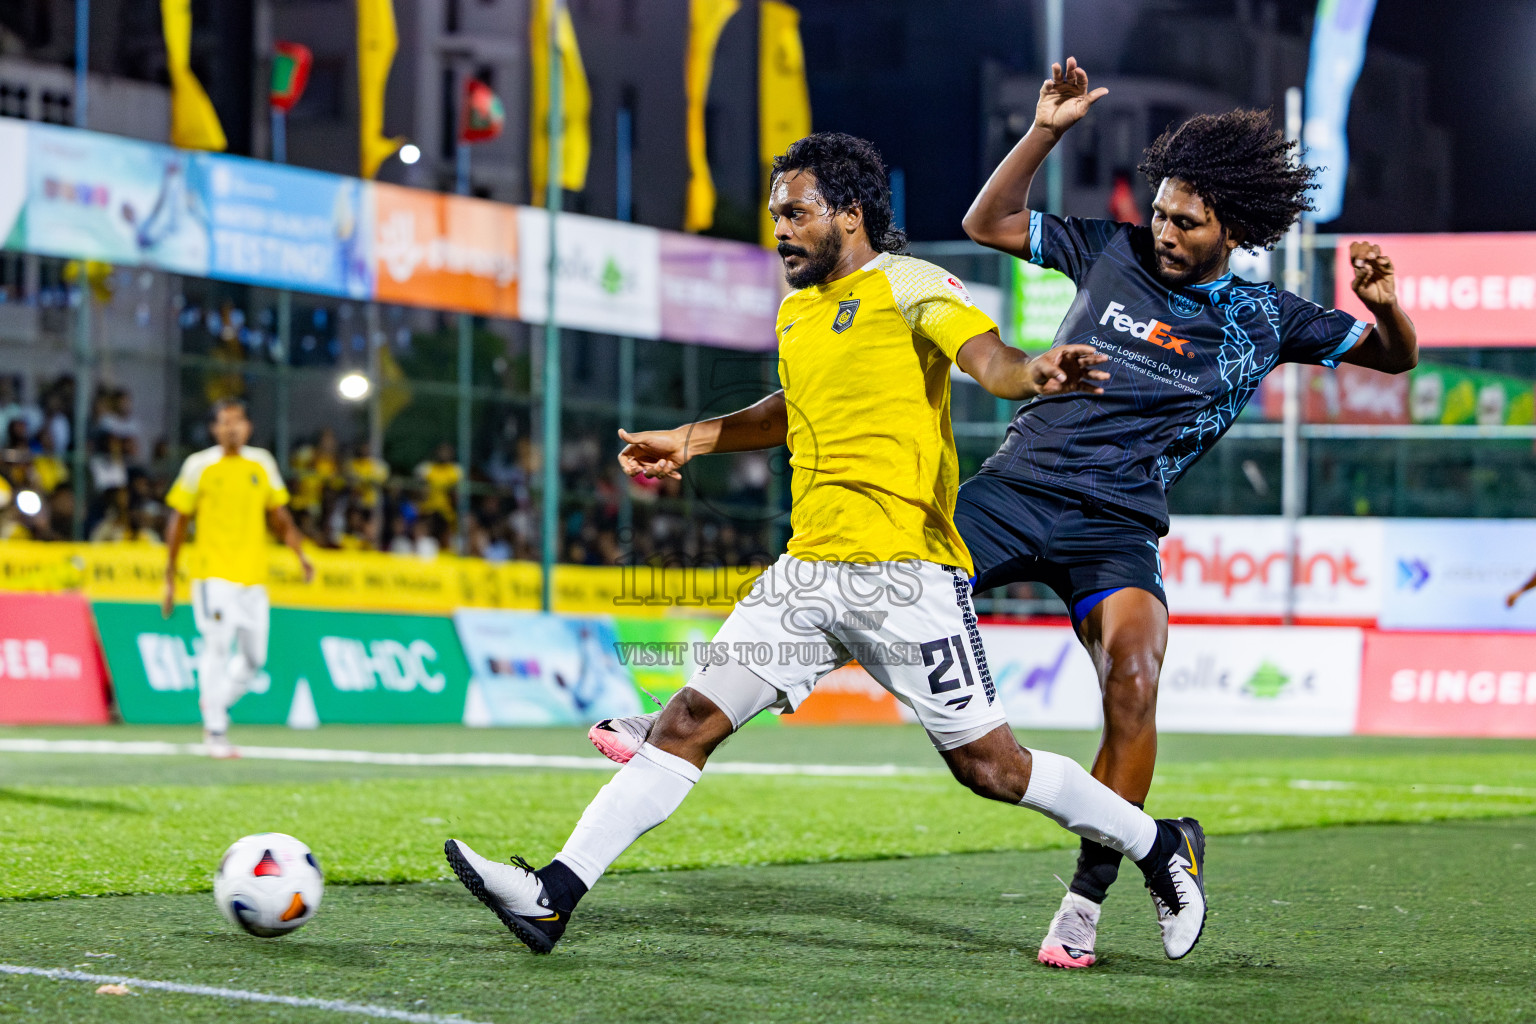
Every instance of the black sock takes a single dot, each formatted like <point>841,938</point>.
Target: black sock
<point>1168,839</point>
<point>1097,868</point>
<point>562,886</point>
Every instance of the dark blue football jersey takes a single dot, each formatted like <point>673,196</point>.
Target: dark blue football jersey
<point>1183,363</point>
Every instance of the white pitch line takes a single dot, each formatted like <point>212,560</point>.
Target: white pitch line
<point>238,995</point>
<point>562,762</point>
<point>1445,789</point>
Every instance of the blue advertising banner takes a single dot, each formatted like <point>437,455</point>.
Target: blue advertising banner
<point>287,227</point>
<point>528,668</point>
<point>100,197</point>
<point>1338,52</point>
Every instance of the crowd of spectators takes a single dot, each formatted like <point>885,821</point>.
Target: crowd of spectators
<point>344,498</point>
<point>126,477</point>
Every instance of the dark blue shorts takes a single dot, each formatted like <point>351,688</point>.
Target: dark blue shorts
<point>1019,532</point>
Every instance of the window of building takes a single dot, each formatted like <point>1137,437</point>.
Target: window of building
<point>13,100</point>
<point>58,107</point>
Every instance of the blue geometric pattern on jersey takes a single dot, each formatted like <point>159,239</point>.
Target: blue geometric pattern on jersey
<point>1183,362</point>
<point>1241,367</point>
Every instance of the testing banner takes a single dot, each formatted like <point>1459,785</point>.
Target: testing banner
<point>287,227</point>
<point>322,667</point>
<point>50,667</point>
<point>1448,684</point>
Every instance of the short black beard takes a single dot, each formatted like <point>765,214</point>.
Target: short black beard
<point>1191,275</point>
<point>819,262</point>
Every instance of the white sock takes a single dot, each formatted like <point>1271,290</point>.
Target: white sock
<point>1061,790</point>
<point>238,676</point>
<point>213,684</point>
<point>641,796</point>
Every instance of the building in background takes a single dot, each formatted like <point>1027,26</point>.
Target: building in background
<point>1166,61</point>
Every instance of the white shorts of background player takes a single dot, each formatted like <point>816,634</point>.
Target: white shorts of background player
<point>234,620</point>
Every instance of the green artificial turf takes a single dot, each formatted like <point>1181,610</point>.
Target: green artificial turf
<point>1381,923</point>
<point>161,823</point>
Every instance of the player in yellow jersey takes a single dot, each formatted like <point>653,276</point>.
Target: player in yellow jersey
<point>234,492</point>
<point>875,571</point>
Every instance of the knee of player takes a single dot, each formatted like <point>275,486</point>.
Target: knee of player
<point>1131,688</point>
<point>690,722</point>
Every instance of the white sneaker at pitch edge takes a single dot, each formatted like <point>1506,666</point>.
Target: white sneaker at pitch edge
<point>1069,943</point>
<point>513,892</point>
<point>1178,889</point>
<point>216,745</point>
<point>619,739</point>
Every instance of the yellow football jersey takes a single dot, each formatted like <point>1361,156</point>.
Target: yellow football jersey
<point>440,478</point>
<point>865,362</point>
<point>229,495</point>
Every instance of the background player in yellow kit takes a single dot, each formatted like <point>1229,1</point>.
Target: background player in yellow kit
<point>234,492</point>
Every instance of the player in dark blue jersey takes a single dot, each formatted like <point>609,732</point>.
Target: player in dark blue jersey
<point>1075,497</point>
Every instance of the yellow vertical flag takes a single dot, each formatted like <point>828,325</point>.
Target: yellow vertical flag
<point>783,98</point>
<point>575,105</point>
<point>376,43</point>
<point>194,122</point>
<point>706,20</point>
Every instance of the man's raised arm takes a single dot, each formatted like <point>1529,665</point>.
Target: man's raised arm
<point>999,216</point>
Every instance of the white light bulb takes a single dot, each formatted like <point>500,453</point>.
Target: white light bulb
<point>410,153</point>
<point>28,503</point>
<point>353,387</point>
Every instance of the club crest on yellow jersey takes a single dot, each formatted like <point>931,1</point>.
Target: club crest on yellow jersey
<point>845,312</point>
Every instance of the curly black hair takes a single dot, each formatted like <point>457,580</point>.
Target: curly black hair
<point>1240,164</point>
<point>849,172</point>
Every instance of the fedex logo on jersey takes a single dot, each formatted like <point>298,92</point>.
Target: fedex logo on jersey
<point>1151,330</point>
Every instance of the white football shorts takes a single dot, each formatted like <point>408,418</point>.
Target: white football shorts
<point>910,624</point>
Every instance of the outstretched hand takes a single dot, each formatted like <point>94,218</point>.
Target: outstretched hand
<point>1373,282</point>
<point>653,453</point>
<point>1064,98</point>
<point>1065,369</point>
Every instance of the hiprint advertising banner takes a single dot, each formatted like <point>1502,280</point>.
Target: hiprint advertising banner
<point>1241,567</point>
<point>444,251</point>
